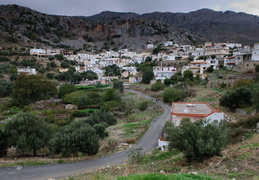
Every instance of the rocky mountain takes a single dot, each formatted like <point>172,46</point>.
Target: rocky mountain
<point>216,26</point>
<point>213,25</point>
<point>21,26</point>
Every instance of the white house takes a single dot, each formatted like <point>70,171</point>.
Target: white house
<point>168,43</point>
<point>197,67</point>
<point>255,52</point>
<point>129,71</point>
<point>163,72</point>
<point>212,62</point>
<point>150,46</point>
<point>195,111</point>
<point>53,52</point>
<point>38,52</point>
<point>28,71</point>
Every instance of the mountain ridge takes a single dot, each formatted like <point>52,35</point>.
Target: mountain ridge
<point>109,30</point>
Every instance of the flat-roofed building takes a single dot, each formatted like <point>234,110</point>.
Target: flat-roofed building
<point>195,111</point>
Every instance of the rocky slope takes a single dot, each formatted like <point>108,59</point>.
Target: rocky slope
<point>20,26</point>
<point>28,27</point>
<point>216,26</point>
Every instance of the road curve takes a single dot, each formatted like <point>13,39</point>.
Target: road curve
<point>57,171</point>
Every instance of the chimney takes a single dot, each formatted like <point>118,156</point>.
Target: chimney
<point>217,109</point>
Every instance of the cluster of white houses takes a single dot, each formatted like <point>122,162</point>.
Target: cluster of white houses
<point>241,59</point>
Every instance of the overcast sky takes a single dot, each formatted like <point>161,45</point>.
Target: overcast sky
<point>91,7</point>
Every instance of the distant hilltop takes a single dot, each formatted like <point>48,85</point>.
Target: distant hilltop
<point>115,30</point>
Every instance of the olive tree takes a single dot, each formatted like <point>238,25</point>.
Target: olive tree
<point>74,138</point>
<point>198,141</point>
<point>30,88</point>
<point>27,132</point>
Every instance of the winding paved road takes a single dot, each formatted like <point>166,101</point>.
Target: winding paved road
<point>56,171</point>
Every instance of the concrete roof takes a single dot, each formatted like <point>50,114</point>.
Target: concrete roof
<point>191,108</point>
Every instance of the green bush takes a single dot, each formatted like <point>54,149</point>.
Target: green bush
<point>3,143</point>
<point>198,141</point>
<point>66,89</point>
<point>173,95</point>
<point>143,106</point>
<point>6,87</point>
<point>102,117</point>
<point>233,99</point>
<point>241,82</point>
<point>73,139</point>
<point>110,95</point>
<point>100,130</point>
<point>110,105</point>
<point>12,39</point>
<point>167,82</point>
<point>73,98</point>
<point>223,85</point>
<point>27,132</point>
<point>4,59</point>
<point>79,114</point>
<point>158,86</point>
<point>177,77</point>
<point>59,56</point>
<point>118,85</point>
<point>135,155</point>
<point>31,88</point>
<point>147,76</point>
<point>51,58</point>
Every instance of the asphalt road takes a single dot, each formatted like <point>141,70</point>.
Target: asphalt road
<point>57,171</point>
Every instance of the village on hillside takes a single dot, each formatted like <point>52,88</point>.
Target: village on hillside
<point>232,56</point>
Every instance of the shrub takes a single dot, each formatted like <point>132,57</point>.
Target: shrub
<point>147,76</point>
<point>110,95</point>
<point>102,117</point>
<point>143,106</point>
<point>3,143</point>
<point>74,138</point>
<point>173,95</point>
<point>158,86</point>
<point>247,123</point>
<point>31,88</point>
<point>27,132</point>
<point>167,82</point>
<point>241,82</point>
<point>100,130</point>
<point>210,69</point>
<point>118,85</point>
<point>223,85</point>
<point>135,155</point>
<point>51,58</point>
<point>4,59</point>
<point>6,87</point>
<point>66,89</point>
<point>177,77</point>
<point>232,99</point>
<point>198,141</point>
<point>59,56</point>
<point>188,75</point>
<point>50,75</point>
<point>74,97</point>
<point>79,114</point>
<point>110,105</point>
